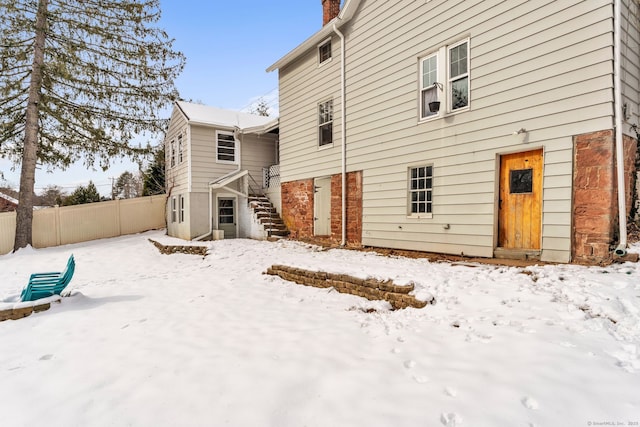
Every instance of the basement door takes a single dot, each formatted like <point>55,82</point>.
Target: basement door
<point>227,217</point>
<point>520,203</point>
<point>322,206</point>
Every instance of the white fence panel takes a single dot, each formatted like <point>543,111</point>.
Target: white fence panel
<point>81,223</point>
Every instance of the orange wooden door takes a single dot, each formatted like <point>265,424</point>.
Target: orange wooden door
<point>520,205</point>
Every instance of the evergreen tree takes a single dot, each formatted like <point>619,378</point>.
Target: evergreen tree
<point>127,186</point>
<point>82,195</point>
<point>79,79</point>
<point>153,176</point>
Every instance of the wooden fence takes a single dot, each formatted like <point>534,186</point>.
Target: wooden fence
<point>80,223</point>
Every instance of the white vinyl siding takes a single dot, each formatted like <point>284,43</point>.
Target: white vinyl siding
<point>544,66</point>
<point>176,177</point>
<point>225,147</point>
<point>302,85</point>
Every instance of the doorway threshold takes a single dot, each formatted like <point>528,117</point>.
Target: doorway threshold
<point>522,254</point>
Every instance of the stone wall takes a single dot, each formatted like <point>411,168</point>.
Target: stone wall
<point>371,289</point>
<point>174,249</point>
<point>595,203</point>
<point>297,208</point>
<point>19,313</point>
<point>354,208</point>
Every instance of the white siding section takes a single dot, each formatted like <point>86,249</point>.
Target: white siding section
<point>177,177</point>
<point>303,85</point>
<point>258,151</point>
<point>545,66</point>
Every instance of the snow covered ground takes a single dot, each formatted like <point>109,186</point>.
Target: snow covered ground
<point>179,340</point>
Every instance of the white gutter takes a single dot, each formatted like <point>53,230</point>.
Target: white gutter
<point>621,249</point>
<point>343,241</point>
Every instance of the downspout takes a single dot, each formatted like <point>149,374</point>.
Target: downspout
<point>343,241</point>
<point>621,249</point>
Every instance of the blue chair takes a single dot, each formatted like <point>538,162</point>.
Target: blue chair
<point>42,285</point>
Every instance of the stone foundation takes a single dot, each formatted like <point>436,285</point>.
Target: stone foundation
<point>371,289</point>
<point>595,203</point>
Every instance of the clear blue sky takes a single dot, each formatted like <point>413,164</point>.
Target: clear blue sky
<point>228,45</point>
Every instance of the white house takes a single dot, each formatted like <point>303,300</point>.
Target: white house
<point>216,160</point>
<point>471,127</point>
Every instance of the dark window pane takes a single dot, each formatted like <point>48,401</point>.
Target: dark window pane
<point>521,181</point>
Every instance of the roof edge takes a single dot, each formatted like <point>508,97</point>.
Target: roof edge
<point>345,15</point>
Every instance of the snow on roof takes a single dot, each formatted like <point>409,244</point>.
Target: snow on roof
<point>8,198</point>
<point>206,115</point>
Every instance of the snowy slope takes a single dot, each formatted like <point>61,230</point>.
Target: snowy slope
<point>153,340</point>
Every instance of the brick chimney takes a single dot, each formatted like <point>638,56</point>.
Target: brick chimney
<point>330,9</point>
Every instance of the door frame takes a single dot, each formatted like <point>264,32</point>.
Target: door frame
<point>500,252</point>
<point>327,211</point>
<point>235,210</point>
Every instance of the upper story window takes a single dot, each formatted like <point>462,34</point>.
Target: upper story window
<point>172,153</point>
<point>324,52</point>
<point>429,87</point>
<point>225,147</point>
<point>325,123</point>
<point>420,190</point>
<point>459,75</point>
<point>180,148</point>
<point>444,80</point>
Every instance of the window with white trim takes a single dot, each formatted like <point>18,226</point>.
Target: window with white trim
<point>459,75</point>
<point>173,153</point>
<point>225,147</point>
<point>181,207</point>
<point>420,190</point>
<point>444,80</point>
<point>429,86</point>
<point>174,213</point>
<point>324,52</point>
<point>180,148</point>
<point>325,123</point>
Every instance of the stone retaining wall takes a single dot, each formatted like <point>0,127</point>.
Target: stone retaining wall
<point>171,249</point>
<point>371,289</point>
<point>19,313</point>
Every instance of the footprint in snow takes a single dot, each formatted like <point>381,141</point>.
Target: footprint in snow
<point>530,403</point>
<point>450,419</point>
<point>409,364</point>
<point>47,357</point>
<point>474,336</point>
<point>450,391</point>
<point>420,379</point>
<point>396,350</point>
